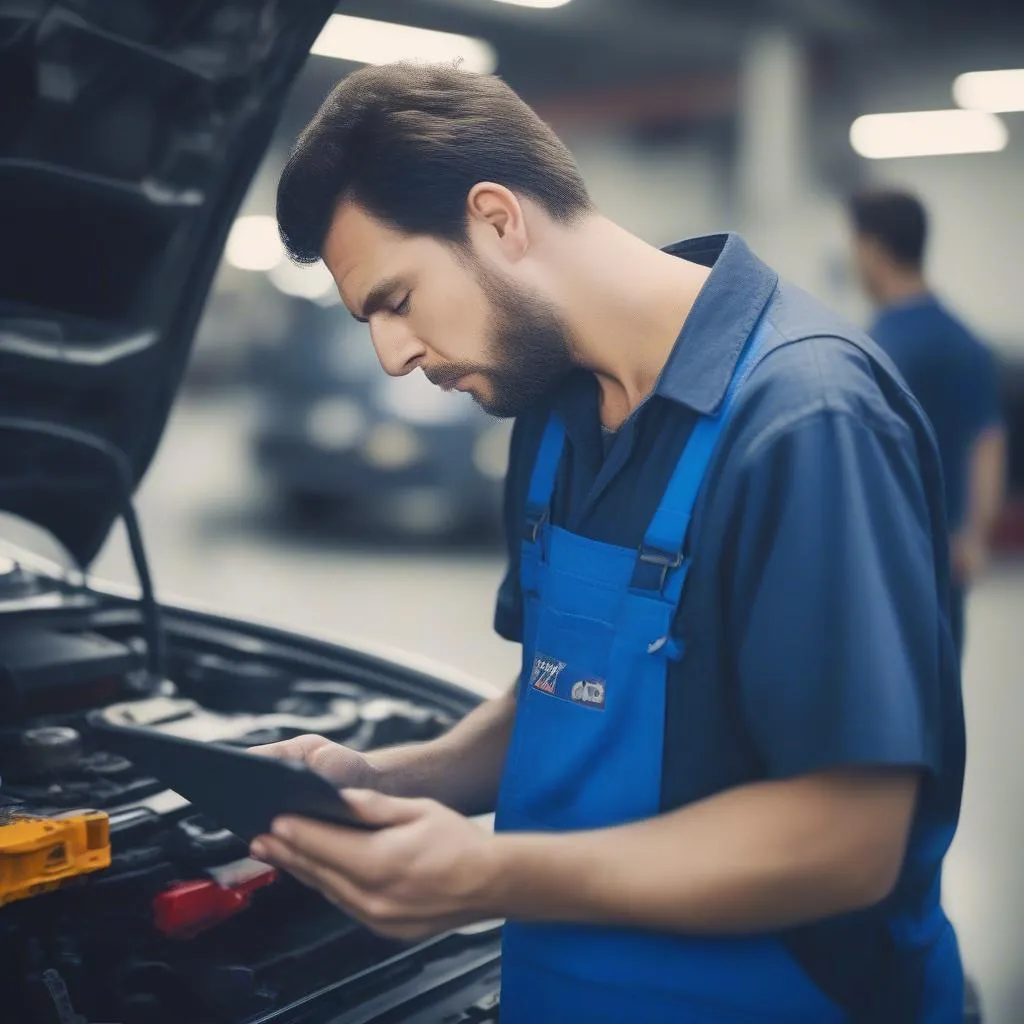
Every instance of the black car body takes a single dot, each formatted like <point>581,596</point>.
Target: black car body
<point>128,136</point>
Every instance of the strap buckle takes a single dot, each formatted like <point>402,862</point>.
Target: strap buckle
<point>534,524</point>
<point>665,560</point>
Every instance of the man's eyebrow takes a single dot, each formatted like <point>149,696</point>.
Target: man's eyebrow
<point>378,298</point>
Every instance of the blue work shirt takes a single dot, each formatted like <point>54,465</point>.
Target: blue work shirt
<point>815,617</point>
<point>952,375</point>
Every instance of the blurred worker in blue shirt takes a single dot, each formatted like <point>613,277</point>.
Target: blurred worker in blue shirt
<point>948,369</point>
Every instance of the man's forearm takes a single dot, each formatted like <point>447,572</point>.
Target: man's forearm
<point>987,481</point>
<point>758,858</point>
<point>462,768</point>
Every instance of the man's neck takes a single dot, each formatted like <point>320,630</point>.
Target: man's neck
<point>627,302</point>
<point>901,287</point>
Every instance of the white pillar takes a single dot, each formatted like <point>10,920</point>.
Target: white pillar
<point>780,206</point>
<point>772,171</point>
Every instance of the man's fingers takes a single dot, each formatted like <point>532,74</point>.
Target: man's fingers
<point>338,764</point>
<point>295,862</point>
<point>345,850</point>
<point>375,808</point>
<point>331,884</point>
<point>355,853</point>
<point>298,748</point>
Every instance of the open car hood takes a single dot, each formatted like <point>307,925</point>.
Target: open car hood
<point>129,134</point>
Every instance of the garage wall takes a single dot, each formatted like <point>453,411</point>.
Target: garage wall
<point>976,256</point>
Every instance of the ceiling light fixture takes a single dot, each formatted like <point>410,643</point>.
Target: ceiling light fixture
<point>366,41</point>
<point>254,243</point>
<point>998,92</point>
<point>543,4</point>
<point>312,281</point>
<point>927,133</point>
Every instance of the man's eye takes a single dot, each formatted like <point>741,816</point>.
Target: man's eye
<point>402,308</point>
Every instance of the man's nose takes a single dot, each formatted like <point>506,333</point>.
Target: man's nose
<point>397,348</point>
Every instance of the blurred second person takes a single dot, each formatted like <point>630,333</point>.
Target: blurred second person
<point>949,370</point>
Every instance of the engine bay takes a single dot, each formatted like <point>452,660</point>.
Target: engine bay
<point>118,902</point>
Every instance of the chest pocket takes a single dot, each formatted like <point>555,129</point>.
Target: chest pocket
<point>587,747</point>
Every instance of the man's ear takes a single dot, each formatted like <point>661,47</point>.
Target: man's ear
<point>496,221</point>
<point>877,252</point>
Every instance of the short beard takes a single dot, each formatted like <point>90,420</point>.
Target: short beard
<point>530,344</point>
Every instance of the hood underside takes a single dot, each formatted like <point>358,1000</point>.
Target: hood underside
<point>129,134</point>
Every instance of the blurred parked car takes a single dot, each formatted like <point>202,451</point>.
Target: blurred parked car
<point>334,432</point>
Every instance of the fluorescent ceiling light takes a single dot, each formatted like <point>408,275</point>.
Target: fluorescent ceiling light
<point>996,91</point>
<point>254,244</point>
<point>383,42</point>
<point>546,4</point>
<point>927,133</point>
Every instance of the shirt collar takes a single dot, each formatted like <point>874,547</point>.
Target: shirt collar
<point>701,363</point>
<point>918,301</point>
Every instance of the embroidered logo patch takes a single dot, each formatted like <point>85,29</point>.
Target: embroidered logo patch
<point>589,692</point>
<point>545,673</point>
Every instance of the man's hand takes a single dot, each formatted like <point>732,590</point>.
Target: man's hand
<point>461,769</point>
<point>425,869</point>
<point>339,765</point>
<point>758,858</point>
<point>986,493</point>
<point>968,557</point>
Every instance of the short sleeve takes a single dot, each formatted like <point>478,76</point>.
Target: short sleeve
<point>508,612</point>
<point>833,605</point>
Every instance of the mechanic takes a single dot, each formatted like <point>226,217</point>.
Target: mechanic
<point>728,775</point>
<point>951,373</point>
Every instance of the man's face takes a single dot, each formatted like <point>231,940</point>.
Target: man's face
<point>432,308</point>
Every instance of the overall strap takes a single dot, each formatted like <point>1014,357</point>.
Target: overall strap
<point>542,482</point>
<point>659,565</point>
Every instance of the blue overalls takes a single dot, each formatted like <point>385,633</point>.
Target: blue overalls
<point>586,752</point>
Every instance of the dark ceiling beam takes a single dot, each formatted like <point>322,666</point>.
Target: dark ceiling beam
<point>834,20</point>
<point>634,25</point>
<point>680,99</point>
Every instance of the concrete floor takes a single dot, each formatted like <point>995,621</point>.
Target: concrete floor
<point>209,541</point>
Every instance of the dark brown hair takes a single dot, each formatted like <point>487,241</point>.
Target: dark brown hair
<point>407,142</point>
<point>896,219</point>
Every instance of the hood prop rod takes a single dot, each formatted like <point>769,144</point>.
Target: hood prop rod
<point>116,459</point>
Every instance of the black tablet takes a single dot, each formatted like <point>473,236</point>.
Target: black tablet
<point>240,791</point>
